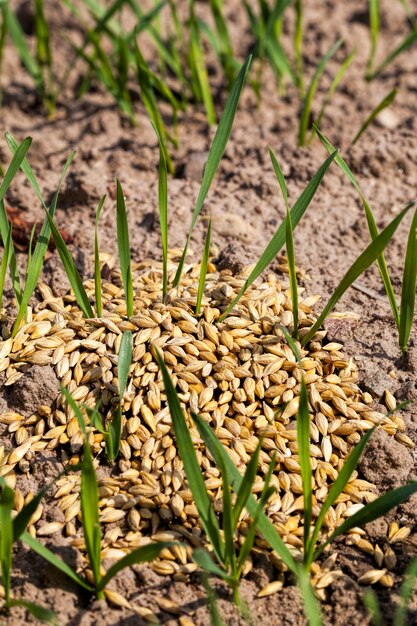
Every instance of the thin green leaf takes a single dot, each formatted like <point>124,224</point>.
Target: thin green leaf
<point>385,102</point>
<point>336,81</point>
<point>19,41</point>
<point>216,152</point>
<point>95,419</point>
<point>371,226</point>
<point>89,497</point>
<point>308,99</point>
<point>3,264</point>
<point>71,271</point>
<point>163,211</point>
<point>51,558</point>
<point>39,612</point>
<point>400,615</point>
<point>199,70</point>
<point>311,606</point>
<point>368,256</point>
<point>6,538</point>
<point>124,249</point>
<point>408,292</point>
<point>30,247</point>
<point>278,239</point>
<point>35,268</point>
<point>372,511</point>
<point>204,560</point>
<point>336,489</point>
<point>374,32</point>
<point>25,167</point>
<point>10,259</point>
<point>203,270</point>
<point>244,490</point>
<point>265,526</point>
<point>371,602</point>
<point>123,366</point>
<point>97,272</point>
<point>407,42</point>
<point>291,343</point>
<point>303,440</point>
<point>191,466</point>
<point>298,44</point>
<point>143,554</point>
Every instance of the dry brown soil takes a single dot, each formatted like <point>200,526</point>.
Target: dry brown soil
<point>245,207</point>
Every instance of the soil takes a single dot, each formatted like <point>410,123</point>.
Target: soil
<point>246,208</point>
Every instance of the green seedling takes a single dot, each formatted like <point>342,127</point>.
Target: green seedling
<point>404,321</point>
<point>163,212</point>
<point>124,249</point>
<point>374,32</point>
<point>200,82</point>
<point>224,47</point>
<point>368,513</point>
<point>216,152</point>
<point>298,44</point>
<point>97,271</point>
<point>385,102</point>
<point>44,57</point>
<point>3,264</point>
<point>123,366</point>
<point>279,238</point>
<point>91,526</point>
<point>309,97</point>
<point>368,256</point>
<point>223,548</point>
<point>11,530</point>
<point>408,41</point>
<point>203,270</point>
<point>335,83</point>
<point>289,242</point>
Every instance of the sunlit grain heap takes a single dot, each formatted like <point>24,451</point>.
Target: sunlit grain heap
<point>240,375</point>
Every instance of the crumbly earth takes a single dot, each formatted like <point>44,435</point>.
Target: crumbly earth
<point>245,207</point>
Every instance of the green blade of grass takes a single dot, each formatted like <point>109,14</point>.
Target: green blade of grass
<point>275,53</point>
<point>124,249</point>
<point>407,42</point>
<point>298,44</point>
<point>44,57</point>
<point>289,242</point>
<point>303,440</point>
<point>385,102</point>
<point>400,615</point>
<point>372,227</point>
<point>35,268</point>
<point>54,560</point>
<point>408,292</point>
<point>39,612</point>
<point>204,560</point>
<point>372,511</point>
<point>265,526</point>
<point>147,94</point>
<point>216,152</point>
<point>368,256</point>
<point>19,41</point>
<point>191,466</point>
<point>140,555</point>
<point>336,81</point>
<point>308,99</point>
<point>335,490</point>
<point>266,493</point>
<point>247,482</point>
<point>278,239</point>
<point>95,419</point>
<point>89,497</point>
<point>374,32</point>
<point>6,538</point>
<point>203,270</point>
<point>97,272</point>
<point>311,607</point>
<point>199,70</point>
<point>30,248</point>
<point>71,271</point>
<point>25,167</point>
<point>19,155</point>
<point>163,211</point>
<point>4,261</point>
<point>370,600</point>
<point>123,366</point>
